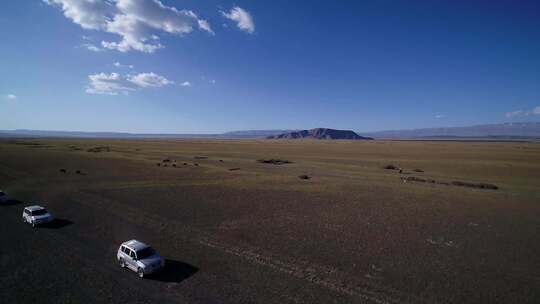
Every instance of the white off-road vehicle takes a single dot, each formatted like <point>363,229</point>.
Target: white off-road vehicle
<point>36,215</point>
<point>139,257</point>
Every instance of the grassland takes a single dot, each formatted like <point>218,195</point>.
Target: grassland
<point>351,233</point>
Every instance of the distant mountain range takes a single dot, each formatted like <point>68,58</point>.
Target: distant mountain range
<point>501,131</point>
<point>320,133</point>
<point>521,130</point>
<point>77,134</point>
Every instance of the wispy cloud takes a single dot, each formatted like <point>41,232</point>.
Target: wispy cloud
<point>119,65</point>
<point>92,47</point>
<point>243,19</point>
<point>186,84</point>
<point>523,113</point>
<point>136,21</point>
<point>115,83</point>
<point>10,97</point>
<point>439,116</point>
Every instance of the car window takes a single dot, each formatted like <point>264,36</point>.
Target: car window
<point>146,252</point>
<point>39,212</point>
<point>132,254</point>
<point>26,211</point>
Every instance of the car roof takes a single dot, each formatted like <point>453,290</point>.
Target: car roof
<point>135,245</point>
<point>34,208</point>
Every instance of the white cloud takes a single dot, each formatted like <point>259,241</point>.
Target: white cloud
<point>439,116</point>
<point>186,84</point>
<point>514,114</point>
<point>92,47</point>
<point>523,113</point>
<point>135,21</point>
<point>89,14</point>
<point>243,19</point>
<point>119,65</point>
<point>204,25</point>
<point>108,84</point>
<point>10,97</point>
<point>147,80</point>
<point>212,81</point>
<point>114,83</point>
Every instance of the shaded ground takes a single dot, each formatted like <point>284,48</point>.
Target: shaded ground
<point>352,233</point>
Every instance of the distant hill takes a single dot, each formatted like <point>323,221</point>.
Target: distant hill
<point>320,133</point>
<point>520,130</point>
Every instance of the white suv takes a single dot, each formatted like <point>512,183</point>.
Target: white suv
<point>139,257</point>
<point>36,215</point>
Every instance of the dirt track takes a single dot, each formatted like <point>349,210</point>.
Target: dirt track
<point>350,235</point>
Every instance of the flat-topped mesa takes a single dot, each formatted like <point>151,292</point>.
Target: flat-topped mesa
<point>320,133</point>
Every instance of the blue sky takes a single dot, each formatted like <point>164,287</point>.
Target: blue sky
<point>215,66</point>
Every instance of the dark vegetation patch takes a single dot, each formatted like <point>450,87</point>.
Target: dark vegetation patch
<point>75,148</point>
<point>25,143</point>
<point>418,170</point>
<point>234,169</point>
<point>475,185</point>
<point>196,165</point>
<point>80,172</point>
<point>221,160</point>
<point>99,149</point>
<point>454,183</point>
<point>200,157</point>
<point>63,170</point>
<point>304,176</point>
<point>274,161</point>
<point>185,164</point>
<point>166,160</point>
<point>391,167</point>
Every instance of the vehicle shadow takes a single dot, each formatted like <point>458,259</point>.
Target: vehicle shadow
<point>57,223</point>
<point>11,203</point>
<point>174,271</point>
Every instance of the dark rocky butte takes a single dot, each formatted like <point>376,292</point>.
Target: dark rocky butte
<point>320,133</point>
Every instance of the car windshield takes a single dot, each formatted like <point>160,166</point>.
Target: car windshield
<point>39,212</point>
<point>146,252</point>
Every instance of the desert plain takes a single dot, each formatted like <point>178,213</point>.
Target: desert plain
<point>234,229</point>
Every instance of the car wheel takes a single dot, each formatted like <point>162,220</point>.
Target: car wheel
<point>122,263</point>
<point>140,272</point>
